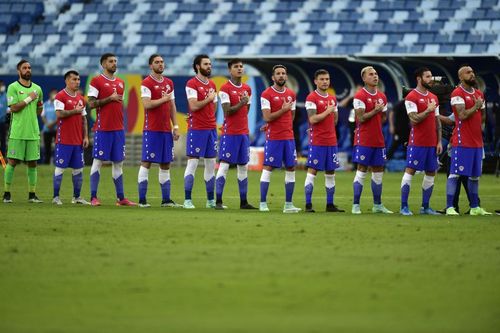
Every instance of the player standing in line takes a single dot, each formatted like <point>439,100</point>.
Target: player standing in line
<point>322,112</point>
<point>469,109</point>
<point>278,110</point>
<point>424,145</point>
<point>234,143</point>
<point>71,137</point>
<point>202,129</point>
<point>106,96</point>
<point>158,98</point>
<point>25,100</point>
<point>370,106</point>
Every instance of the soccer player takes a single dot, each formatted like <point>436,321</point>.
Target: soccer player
<point>322,111</point>
<point>158,98</point>
<point>278,110</point>
<point>71,136</point>
<point>370,106</point>
<point>202,133</point>
<point>424,144</point>
<point>468,106</point>
<point>234,143</point>
<point>25,100</point>
<point>106,96</point>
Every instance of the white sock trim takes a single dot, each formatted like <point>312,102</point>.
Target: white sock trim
<point>116,169</point>
<point>427,182</point>
<point>309,179</point>
<point>96,166</point>
<point>58,171</point>
<point>453,175</point>
<point>75,172</point>
<point>191,166</point>
<point>265,176</point>
<point>329,181</point>
<point>377,177</point>
<point>406,179</point>
<point>163,176</point>
<point>143,174</point>
<point>209,171</point>
<point>222,172</point>
<point>360,177</point>
<point>242,172</point>
<point>289,177</point>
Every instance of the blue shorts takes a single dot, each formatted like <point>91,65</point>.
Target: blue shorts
<point>157,147</point>
<point>69,156</point>
<point>201,143</point>
<point>422,158</point>
<point>369,156</point>
<point>466,161</point>
<point>234,149</point>
<point>323,158</point>
<point>279,152</point>
<point>109,145</point>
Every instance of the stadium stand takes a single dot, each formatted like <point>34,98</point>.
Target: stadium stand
<point>58,34</point>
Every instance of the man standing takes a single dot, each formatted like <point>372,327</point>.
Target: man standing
<point>72,136</point>
<point>25,100</point>
<point>106,96</point>
<point>322,111</point>
<point>370,106</point>
<point>424,144</point>
<point>234,143</point>
<point>158,136</point>
<point>202,132</point>
<point>49,129</point>
<point>468,107</point>
<point>278,110</point>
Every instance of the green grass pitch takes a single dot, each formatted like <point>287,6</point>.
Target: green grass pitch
<point>124,269</point>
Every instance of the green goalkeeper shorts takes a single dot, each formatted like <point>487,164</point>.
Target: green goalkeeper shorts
<point>24,150</point>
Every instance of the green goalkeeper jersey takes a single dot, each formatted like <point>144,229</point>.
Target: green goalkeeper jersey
<point>24,124</point>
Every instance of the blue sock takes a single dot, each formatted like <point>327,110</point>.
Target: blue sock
<point>308,190</point>
<point>405,192</point>
<point>358,189</point>
<point>289,187</point>
<point>77,184</point>
<point>451,187</point>
<point>94,183</point>
<point>473,186</point>
<point>264,187</point>
<point>143,190</point>
<point>377,193</point>
<point>210,186</point>
<point>165,191</point>
<point>57,184</point>
<point>119,187</point>
<point>426,196</point>
<point>243,187</point>
<point>330,192</point>
<point>188,186</point>
<point>219,188</point>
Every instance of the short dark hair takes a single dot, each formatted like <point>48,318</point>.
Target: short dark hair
<point>275,67</point>
<point>233,61</point>
<point>152,57</point>
<point>420,71</point>
<point>197,61</point>
<point>71,71</point>
<point>320,72</point>
<point>20,63</point>
<point>105,56</point>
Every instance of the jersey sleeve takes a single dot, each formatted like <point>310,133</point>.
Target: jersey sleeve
<point>294,106</point>
<point>436,112</point>
<point>358,104</point>
<point>457,100</point>
<point>224,97</point>
<point>145,92</point>
<point>310,105</point>
<point>265,104</point>
<point>410,106</point>
<point>191,93</point>
<point>58,105</point>
<point>12,95</point>
<point>93,89</point>
<point>172,97</point>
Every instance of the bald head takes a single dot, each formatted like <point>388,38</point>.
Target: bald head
<point>467,76</point>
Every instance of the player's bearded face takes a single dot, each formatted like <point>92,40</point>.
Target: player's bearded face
<point>280,77</point>
<point>110,65</point>
<point>471,81</point>
<point>25,72</point>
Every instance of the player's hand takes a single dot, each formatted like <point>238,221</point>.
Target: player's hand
<point>330,108</point>
<point>431,106</point>
<point>85,142</point>
<point>439,148</point>
<point>167,97</point>
<point>211,95</point>
<point>79,109</point>
<point>175,134</point>
<point>287,106</point>
<point>115,97</point>
<point>244,98</point>
<point>478,103</point>
<point>379,107</point>
<point>33,95</point>
<point>263,128</point>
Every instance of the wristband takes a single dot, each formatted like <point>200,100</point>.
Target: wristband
<point>27,100</point>
<point>176,126</point>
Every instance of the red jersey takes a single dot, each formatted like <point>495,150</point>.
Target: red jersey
<point>468,132</point>
<point>424,133</point>
<point>236,123</point>
<point>203,118</point>
<point>109,116</point>
<point>69,129</point>
<point>369,133</point>
<point>282,127</point>
<point>157,119</point>
<point>322,133</point>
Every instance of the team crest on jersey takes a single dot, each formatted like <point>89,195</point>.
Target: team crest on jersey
<point>369,99</point>
<point>276,98</point>
<point>415,162</point>
<point>61,161</point>
<point>271,159</point>
<point>315,161</point>
<point>106,84</point>
<point>152,155</point>
<point>197,149</point>
<point>362,157</point>
<point>228,155</point>
<point>461,168</point>
<point>157,87</point>
<point>101,153</point>
<point>168,87</point>
<point>289,99</point>
<point>234,92</point>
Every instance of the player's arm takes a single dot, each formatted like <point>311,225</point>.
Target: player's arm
<point>19,106</point>
<point>95,103</point>
<point>149,103</point>
<point>312,113</point>
<point>61,113</point>
<point>85,132</point>
<point>360,110</point>
<point>173,119</point>
<point>269,116</point>
<point>194,103</point>
<point>462,112</point>
<point>414,115</point>
<point>226,103</point>
<point>439,146</point>
<point>446,120</point>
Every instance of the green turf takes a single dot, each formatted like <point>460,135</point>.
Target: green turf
<point>124,269</point>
